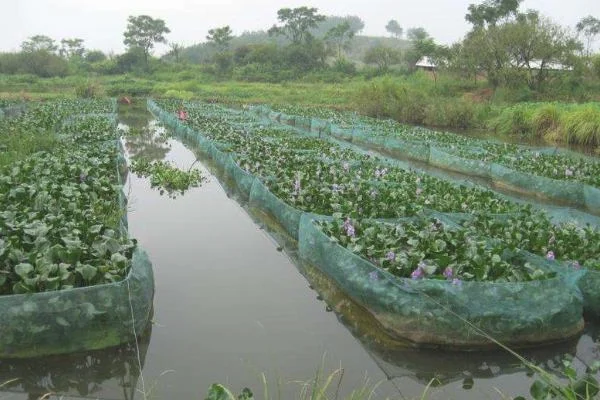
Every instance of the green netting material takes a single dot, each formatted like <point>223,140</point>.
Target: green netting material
<point>78,319</point>
<point>434,312</point>
<point>424,312</point>
<point>86,318</point>
<point>571,193</point>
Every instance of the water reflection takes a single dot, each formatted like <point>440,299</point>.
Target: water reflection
<point>144,136</point>
<point>148,141</point>
<point>399,359</point>
<point>112,372</point>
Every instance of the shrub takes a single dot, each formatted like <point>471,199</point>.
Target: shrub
<point>89,90</point>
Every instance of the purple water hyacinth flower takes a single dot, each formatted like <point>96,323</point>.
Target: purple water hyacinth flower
<point>350,231</point>
<point>346,166</point>
<point>456,282</point>
<point>377,173</point>
<point>390,256</point>
<point>335,188</point>
<point>422,265</point>
<point>349,228</point>
<point>373,193</point>
<point>347,223</point>
<point>448,273</point>
<point>550,255</point>
<point>82,177</point>
<point>568,172</point>
<point>418,273</point>
<point>373,276</point>
<point>575,265</point>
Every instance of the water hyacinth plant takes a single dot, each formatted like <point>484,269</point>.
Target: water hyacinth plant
<point>60,213</point>
<point>427,249</point>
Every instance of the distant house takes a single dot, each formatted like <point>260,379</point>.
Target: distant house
<point>548,65</point>
<point>426,64</point>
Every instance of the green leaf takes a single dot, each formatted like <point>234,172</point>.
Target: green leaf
<point>63,322</point>
<point>539,390</point>
<point>246,394</point>
<point>218,392</point>
<point>23,269</point>
<point>586,387</point>
<point>496,259</point>
<point>87,272</point>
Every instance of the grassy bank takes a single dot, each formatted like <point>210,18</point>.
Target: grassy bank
<point>444,103</point>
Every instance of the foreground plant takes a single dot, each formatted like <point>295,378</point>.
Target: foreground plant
<point>578,386</point>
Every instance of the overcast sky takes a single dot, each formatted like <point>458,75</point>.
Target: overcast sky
<point>101,23</point>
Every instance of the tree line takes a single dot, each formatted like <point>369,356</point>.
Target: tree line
<point>506,45</point>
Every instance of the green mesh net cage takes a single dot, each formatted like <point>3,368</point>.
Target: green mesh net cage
<point>426,312</point>
<point>83,318</point>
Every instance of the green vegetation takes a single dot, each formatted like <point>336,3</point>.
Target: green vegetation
<point>60,219</point>
<point>166,177</point>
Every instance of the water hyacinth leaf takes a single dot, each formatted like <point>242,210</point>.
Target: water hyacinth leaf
<point>218,392</point>
<point>88,272</point>
<point>246,394</point>
<point>439,245</point>
<point>119,259</point>
<point>23,269</point>
<point>430,269</point>
<point>71,243</point>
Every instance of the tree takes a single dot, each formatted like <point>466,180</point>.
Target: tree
<point>220,37</point>
<point>520,51</point>
<point>535,44</point>
<point>340,36</point>
<point>421,45</point>
<point>143,32</point>
<point>297,23</point>
<point>382,56</point>
<point>416,34</point>
<point>331,21</point>
<point>175,51</point>
<point>394,28</point>
<point>70,48</point>
<point>590,28</point>
<point>39,43</point>
<point>93,56</point>
<point>491,11</point>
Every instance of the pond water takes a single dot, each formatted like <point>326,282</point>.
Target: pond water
<point>230,306</point>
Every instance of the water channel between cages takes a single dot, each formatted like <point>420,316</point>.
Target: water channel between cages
<point>230,306</point>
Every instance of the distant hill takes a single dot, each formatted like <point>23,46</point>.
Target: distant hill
<point>203,52</point>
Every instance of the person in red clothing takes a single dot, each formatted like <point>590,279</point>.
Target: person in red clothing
<point>182,114</point>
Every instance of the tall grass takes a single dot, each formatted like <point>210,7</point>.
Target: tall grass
<point>582,125</point>
<point>556,122</point>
